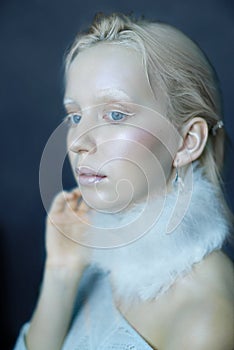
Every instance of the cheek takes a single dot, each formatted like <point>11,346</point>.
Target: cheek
<point>137,155</point>
<point>139,144</point>
<point>155,153</point>
<point>72,156</point>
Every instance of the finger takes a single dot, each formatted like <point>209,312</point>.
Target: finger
<point>83,206</point>
<point>74,203</point>
<point>75,197</point>
<point>78,203</point>
<point>59,202</point>
<point>76,191</point>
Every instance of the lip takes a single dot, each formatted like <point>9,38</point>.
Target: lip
<point>88,176</point>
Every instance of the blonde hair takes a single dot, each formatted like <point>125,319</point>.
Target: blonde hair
<point>175,64</point>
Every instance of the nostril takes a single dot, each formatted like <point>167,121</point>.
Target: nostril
<point>89,150</point>
<point>82,147</point>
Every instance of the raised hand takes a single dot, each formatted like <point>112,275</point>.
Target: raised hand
<point>66,223</point>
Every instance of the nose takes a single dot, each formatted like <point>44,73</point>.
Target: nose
<point>84,143</point>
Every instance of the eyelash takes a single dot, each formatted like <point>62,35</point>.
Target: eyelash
<point>125,115</point>
<point>70,123</point>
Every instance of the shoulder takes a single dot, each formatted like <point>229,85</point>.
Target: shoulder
<point>215,276</point>
<point>205,317</point>
<point>201,326</point>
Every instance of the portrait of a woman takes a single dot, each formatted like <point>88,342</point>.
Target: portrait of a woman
<point>134,252</point>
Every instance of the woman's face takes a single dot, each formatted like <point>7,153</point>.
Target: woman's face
<point>117,129</point>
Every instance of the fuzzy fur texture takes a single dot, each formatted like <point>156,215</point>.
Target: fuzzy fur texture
<point>147,267</point>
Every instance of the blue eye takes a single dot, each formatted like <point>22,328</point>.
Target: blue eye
<point>76,118</point>
<point>117,115</point>
<point>73,119</point>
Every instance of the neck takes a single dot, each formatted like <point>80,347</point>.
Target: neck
<point>149,259</point>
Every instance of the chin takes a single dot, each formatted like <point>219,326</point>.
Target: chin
<point>107,208</point>
<point>110,200</point>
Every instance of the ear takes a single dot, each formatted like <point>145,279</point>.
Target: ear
<point>194,134</point>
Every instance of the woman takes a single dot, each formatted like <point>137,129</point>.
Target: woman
<point>145,142</point>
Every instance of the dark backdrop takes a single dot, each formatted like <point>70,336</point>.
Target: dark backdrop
<point>33,37</point>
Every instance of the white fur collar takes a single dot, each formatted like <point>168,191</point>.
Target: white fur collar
<point>148,266</point>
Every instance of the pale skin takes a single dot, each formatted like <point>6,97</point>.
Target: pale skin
<point>198,311</point>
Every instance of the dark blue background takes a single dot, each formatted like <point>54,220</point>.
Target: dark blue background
<point>34,35</point>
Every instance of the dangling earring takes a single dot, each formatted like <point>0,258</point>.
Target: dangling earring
<point>177,181</point>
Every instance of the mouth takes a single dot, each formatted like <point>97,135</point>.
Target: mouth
<point>88,176</point>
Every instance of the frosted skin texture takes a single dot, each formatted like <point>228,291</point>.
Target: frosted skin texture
<point>102,80</point>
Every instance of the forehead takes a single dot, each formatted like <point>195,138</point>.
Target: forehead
<point>108,67</point>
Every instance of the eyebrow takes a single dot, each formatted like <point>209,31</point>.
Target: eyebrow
<point>68,101</point>
<point>113,93</point>
<point>108,95</point>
